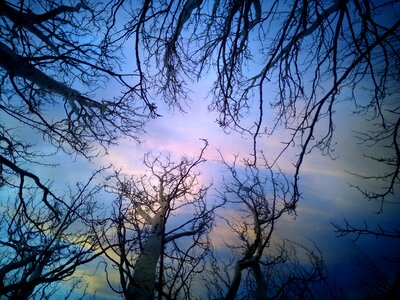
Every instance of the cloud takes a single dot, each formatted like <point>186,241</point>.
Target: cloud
<point>94,282</point>
<point>222,235</point>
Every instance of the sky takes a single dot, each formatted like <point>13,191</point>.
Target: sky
<point>327,195</point>
<point>326,185</point>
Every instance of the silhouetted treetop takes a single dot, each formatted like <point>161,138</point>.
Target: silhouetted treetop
<point>52,64</point>
<point>80,74</point>
<point>291,60</point>
<point>294,61</point>
<point>158,233</point>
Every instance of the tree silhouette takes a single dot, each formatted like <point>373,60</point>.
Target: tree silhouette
<point>41,246</point>
<point>156,249</point>
<point>295,60</point>
<point>266,269</point>
<point>51,63</point>
<point>44,236</point>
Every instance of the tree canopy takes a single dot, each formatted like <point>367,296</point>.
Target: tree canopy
<point>79,75</point>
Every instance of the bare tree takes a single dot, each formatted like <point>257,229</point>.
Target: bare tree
<point>295,60</point>
<point>262,270</point>
<point>51,64</point>
<point>288,270</point>
<point>158,232</point>
<point>40,247</point>
<point>315,53</point>
<point>44,236</point>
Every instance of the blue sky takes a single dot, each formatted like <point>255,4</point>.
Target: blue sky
<point>327,195</point>
<point>325,183</point>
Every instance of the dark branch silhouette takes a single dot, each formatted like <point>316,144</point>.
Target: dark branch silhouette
<point>279,66</point>
<point>37,249</point>
<point>349,229</point>
<point>294,61</point>
<point>47,64</point>
<point>157,256</point>
<point>261,269</point>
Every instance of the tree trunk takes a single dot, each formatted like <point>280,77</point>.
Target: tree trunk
<point>18,66</point>
<point>231,294</point>
<point>394,292</point>
<point>261,284</point>
<point>26,291</point>
<point>143,284</point>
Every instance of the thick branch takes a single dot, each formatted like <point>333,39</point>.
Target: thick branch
<point>27,20</point>
<point>23,173</point>
<point>16,65</point>
<point>181,234</point>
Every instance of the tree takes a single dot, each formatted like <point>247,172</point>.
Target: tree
<point>263,268</point>
<point>41,246</point>
<point>51,63</point>
<point>50,66</point>
<point>158,232</point>
<point>313,54</point>
<point>295,61</point>
<point>44,235</point>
